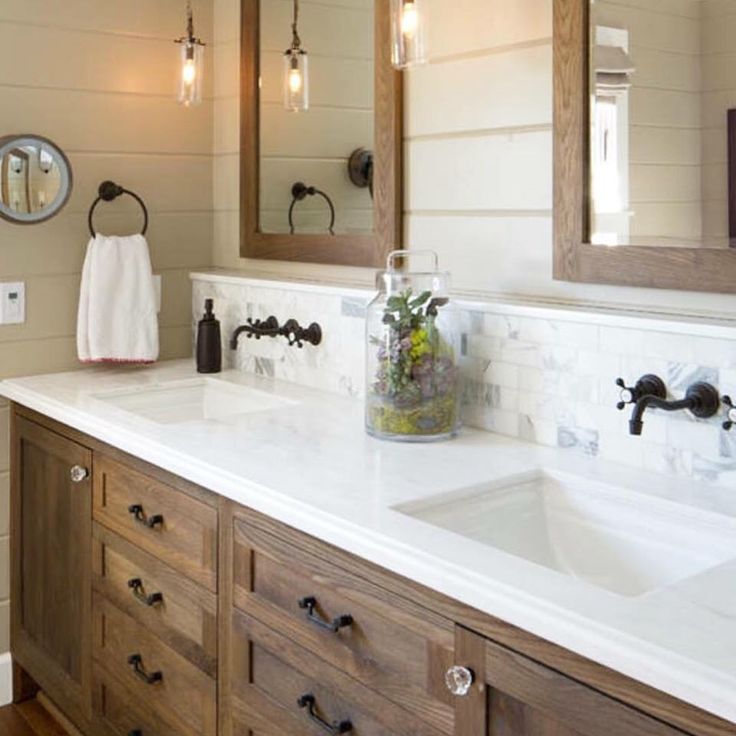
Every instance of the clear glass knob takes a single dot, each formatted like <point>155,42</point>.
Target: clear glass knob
<point>459,680</point>
<point>78,473</point>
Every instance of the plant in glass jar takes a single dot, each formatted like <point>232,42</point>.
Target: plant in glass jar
<point>415,388</point>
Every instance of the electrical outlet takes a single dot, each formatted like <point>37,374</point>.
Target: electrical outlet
<point>12,303</point>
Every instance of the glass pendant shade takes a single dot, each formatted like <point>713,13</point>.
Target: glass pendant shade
<point>296,80</point>
<point>408,33</point>
<point>191,73</point>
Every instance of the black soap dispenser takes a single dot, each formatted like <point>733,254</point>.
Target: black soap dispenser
<point>209,343</point>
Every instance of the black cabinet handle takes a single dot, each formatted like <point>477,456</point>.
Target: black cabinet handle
<point>310,603</point>
<point>135,732</point>
<point>136,662</point>
<point>150,521</point>
<point>136,585</point>
<point>309,702</point>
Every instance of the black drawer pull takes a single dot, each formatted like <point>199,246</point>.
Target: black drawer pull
<point>136,662</point>
<point>309,702</point>
<point>340,622</point>
<point>150,521</point>
<point>136,585</point>
<point>135,732</point>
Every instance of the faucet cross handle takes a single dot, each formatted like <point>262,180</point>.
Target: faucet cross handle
<point>648,385</point>
<point>730,422</point>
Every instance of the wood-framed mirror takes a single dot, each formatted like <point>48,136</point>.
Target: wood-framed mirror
<point>322,185</point>
<point>644,188</point>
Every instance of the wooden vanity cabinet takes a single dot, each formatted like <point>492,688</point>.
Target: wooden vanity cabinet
<point>51,537</point>
<point>514,695</point>
<point>258,629</point>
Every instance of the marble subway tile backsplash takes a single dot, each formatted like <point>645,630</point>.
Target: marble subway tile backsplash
<point>544,375</point>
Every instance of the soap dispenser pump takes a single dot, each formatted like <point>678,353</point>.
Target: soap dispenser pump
<point>209,343</point>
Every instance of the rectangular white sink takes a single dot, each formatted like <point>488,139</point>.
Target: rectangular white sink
<point>199,399</point>
<point>612,538</point>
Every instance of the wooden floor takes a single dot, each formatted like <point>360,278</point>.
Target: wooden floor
<point>28,719</point>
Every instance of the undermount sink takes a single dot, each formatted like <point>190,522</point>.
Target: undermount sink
<point>612,538</point>
<point>191,401</point>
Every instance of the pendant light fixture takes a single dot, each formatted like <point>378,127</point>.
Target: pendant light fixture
<point>192,64</point>
<point>408,32</point>
<point>296,70</point>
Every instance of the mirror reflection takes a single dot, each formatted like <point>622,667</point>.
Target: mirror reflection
<point>663,90</point>
<point>35,179</point>
<point>316,116</point>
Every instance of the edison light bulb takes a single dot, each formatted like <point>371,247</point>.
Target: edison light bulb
<point>189,73</point>
<point>296,80</point>
<point>190,78</point>
<point>408,20</point>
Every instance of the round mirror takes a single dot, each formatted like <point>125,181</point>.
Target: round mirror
<point>35,179</point>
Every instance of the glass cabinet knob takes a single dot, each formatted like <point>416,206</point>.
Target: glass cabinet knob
<point>459,680</point>
<point>78,473</point>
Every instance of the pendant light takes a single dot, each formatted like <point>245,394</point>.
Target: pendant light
<point>296,70</point>
<point>408,21</point>
<point>192,64</point>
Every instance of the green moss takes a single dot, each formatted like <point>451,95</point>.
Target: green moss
<point>434,417</point>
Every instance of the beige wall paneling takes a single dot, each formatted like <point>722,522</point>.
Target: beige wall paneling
<point>100,83</point>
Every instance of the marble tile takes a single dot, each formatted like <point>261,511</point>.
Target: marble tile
<point>549,381</point>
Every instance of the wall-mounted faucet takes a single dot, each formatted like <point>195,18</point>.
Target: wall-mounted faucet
<point>291,330</point>
<point>701,399</point>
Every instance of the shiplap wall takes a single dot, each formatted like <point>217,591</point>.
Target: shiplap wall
<point>98,77</point>
<point>479,159</point>
<point>313,147</point>
<point>665,116</point>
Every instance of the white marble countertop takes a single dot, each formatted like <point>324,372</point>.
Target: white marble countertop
<point>311,465</point>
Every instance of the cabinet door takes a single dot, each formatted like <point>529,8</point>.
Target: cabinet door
<point>51,564</point>
<point>512,695</point>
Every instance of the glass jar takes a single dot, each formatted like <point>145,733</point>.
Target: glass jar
<point>412,375</point>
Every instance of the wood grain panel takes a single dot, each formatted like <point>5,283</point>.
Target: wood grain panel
<point>271,673</point>
<point>51,586</point>
<point>185,618</point>
<point>119,712</point>
<point>391,646</point>
<point>184,696</point>
<point>187,538</point>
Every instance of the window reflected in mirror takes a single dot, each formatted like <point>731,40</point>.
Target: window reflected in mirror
<point>662,83</point>
<point>35,179</point>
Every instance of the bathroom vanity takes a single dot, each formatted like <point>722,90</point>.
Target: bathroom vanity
<point>146,601</point>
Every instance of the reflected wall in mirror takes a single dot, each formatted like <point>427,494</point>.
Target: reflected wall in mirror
<point>321,179</point>
<point>642,93</point>
<point>662,83</point>
<point>35,179</point>
<point>314,146</point>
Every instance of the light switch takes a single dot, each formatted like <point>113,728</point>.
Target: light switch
<point>12,303</point>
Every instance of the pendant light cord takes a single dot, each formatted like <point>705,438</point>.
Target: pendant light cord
<point>296,42</point>
<point>190,21</point>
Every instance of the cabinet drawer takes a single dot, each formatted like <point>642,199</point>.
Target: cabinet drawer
<point>116,712</point>
<point>167,683</point>
<point>391,645</point>
<point>276,684</point>
<point>165,522</point>
<point>164,602</point>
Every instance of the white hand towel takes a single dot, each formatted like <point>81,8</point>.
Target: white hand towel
<point>117,321</point>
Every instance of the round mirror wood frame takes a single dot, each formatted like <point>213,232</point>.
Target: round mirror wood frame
<point>575,258</point>
<point>11,143</point>
<point>342,249</point>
